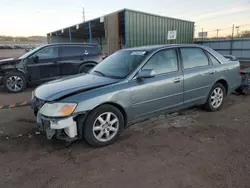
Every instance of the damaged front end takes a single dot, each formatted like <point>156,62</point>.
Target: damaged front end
<point>59,106</point>
<point>57,120</point>
<point>63,129</point>
<point>8,65</point>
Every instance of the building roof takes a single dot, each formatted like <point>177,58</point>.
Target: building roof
<point>97,20</point>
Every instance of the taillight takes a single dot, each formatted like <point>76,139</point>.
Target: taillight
<point>240,70</point>
<point>102,56</point>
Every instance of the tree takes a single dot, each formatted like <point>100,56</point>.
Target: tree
<point>245,34</point>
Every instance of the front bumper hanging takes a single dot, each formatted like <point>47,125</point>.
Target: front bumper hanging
<point>63,129</point>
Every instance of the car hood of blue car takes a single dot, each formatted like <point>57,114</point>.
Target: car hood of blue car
<point>60,88</point>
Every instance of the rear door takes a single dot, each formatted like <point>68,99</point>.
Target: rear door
<point>42,66</point>
<point>199,74</point>
<point>94,54</point>
<point>70,58</point>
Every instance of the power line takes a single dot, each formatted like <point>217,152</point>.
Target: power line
<point>83,14</point>
<point>243,25</point>
<point>225,28</point>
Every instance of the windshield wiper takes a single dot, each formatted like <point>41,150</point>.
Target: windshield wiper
<point>100,72</point>
<point>116,77</point>
<point>110,76</point>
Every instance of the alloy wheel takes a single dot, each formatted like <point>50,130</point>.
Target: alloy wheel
<point>14,83</point>
<point>217,97</point>
<point>106,126</point>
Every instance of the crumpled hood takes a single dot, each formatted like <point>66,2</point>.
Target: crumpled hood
<point>77,83</point>
<point>9,60</point>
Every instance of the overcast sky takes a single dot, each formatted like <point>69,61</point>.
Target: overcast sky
<point>38,17</point>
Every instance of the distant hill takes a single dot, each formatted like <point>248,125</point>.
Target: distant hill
<point>23,40</point>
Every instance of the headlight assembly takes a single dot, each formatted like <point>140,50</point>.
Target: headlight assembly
<point>58,109</point>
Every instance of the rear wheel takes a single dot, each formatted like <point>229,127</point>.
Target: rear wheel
<point>103,126</point>
<point>15,82</point>
<point>216,97</point>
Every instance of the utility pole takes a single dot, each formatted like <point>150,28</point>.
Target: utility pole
<point>238,28</point>
<point>83,14</point>
<point>217,33</point>
<point>202,35</point>
<point>233,33</point>
<point>231,49</point>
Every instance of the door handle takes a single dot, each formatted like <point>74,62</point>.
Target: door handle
<point>212,72</point>
<point>177,80</point>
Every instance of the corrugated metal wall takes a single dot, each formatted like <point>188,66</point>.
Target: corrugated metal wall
<point>126,28</point>
<point>146,29</point>
<point>111,26</point>
<point>239,47</point>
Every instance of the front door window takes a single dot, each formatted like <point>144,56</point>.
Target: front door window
<point>46,53</point>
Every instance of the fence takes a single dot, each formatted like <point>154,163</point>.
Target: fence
<point>239,47</point>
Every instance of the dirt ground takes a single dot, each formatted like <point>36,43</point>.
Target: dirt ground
<point>192,148</point>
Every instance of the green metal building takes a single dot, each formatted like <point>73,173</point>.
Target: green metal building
<point>126,28</point>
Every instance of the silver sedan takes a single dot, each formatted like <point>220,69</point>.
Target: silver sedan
<point>132,85</point>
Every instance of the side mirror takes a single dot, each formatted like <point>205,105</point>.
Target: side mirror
<point>146,73</point>
<point>231,57</point>
<point>35,59</point>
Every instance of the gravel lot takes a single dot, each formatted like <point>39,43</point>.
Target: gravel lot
<point>4,53</point>
<point>192,148</point>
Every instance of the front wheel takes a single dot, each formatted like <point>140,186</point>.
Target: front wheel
<point>103,126</point>
<point>14,82</point>
<point>216,97</point>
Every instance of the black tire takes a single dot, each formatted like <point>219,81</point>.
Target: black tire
<point>208,105</point>
<point>85,68</point>
<point>88,131</point>
<point>21,79</point>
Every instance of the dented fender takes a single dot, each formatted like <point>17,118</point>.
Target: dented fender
<point>14,65</point>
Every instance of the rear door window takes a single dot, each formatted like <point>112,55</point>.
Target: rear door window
<point>93,50</point>
<point>193,57</point>
<point>213,59</point>
<point>70,51</point>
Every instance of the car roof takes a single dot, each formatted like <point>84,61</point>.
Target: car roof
<point>73,44</point>
<point>152,48</point>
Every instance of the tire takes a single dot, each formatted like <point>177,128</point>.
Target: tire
<point>15,82</point>
<point>94,127</point>
<point>217,93</point>
<point>85,68</point>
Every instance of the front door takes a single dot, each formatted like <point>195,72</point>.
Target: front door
<point>162,92</point>
<point>42,66</point>
<point>199,75</point>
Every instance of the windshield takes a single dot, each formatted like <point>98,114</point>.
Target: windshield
<point>120,64</point>
<point>30,52</point>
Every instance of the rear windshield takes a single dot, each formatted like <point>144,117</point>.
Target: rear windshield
<point>120,64</point>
